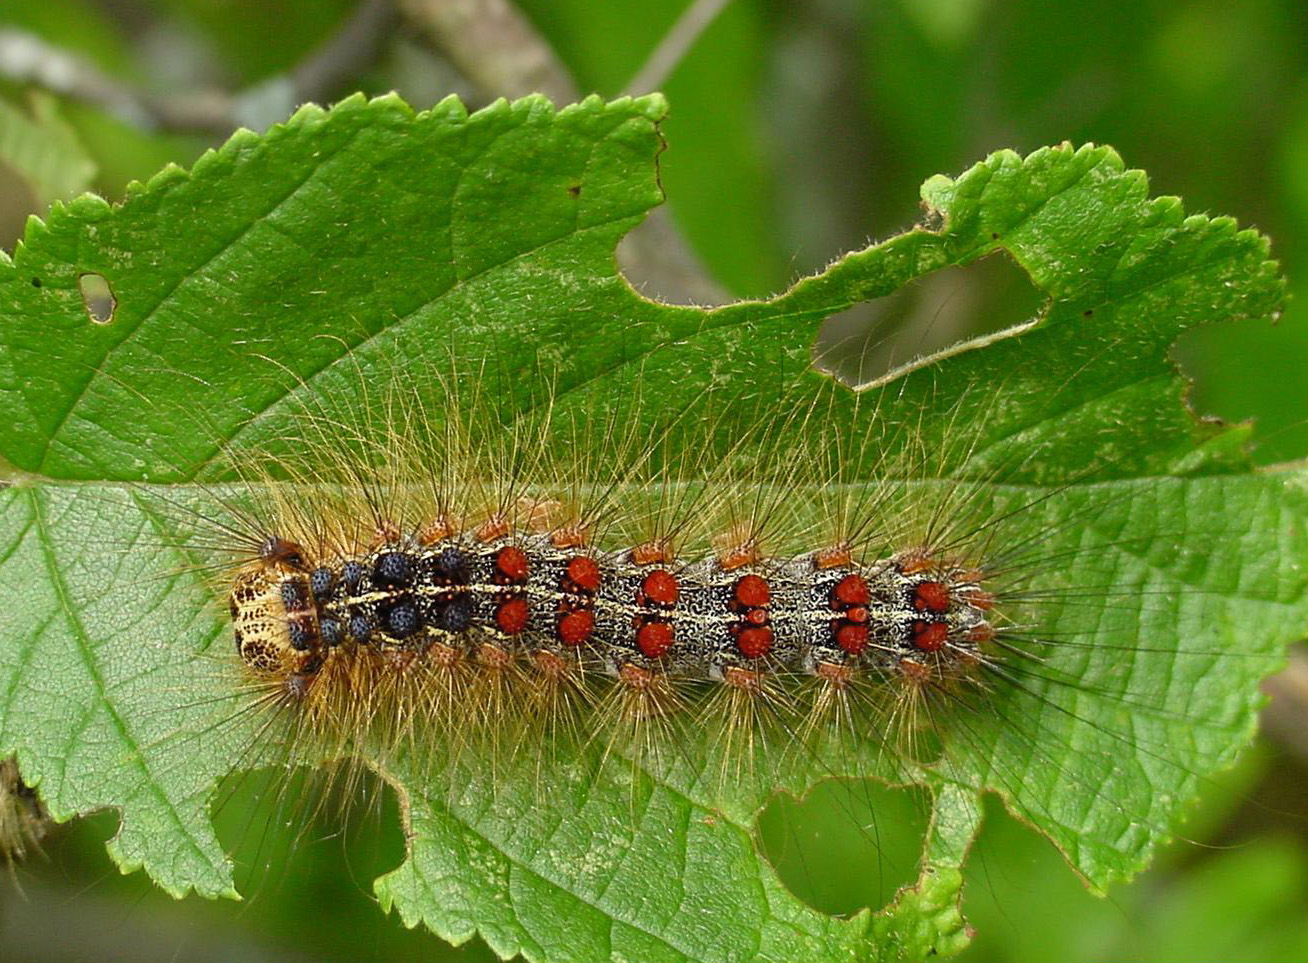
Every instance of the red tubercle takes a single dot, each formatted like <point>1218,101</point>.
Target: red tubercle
<point>576,627</point>
<point>754,643</point>
<point>511,562</point>
<point>511,616</point>
<point>752,591</point>
<point>757,616</point>
<point>584,572</point>
<point>654,639</point>
<point>930,636</point>
<point>850,591</point>
<point>852,638</point>
<point>931,597</point>
<point>660,586</point>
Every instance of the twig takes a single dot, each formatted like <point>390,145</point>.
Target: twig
<point>28,59</point>
<point>654,73</point>
<point>494,46</point>
<point>348,51</point>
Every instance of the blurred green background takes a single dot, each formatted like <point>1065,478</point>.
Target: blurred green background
<point>800,130</point>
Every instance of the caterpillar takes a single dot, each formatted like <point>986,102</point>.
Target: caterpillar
<point>503,594</point>
<point>525,583</point>
<point>438,575</point>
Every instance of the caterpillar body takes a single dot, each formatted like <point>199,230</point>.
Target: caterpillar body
<point>421,583</point>
<point>552,601</point>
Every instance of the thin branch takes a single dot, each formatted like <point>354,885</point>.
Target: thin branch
<point>28,59</point>
<point>675,44</point>
<point>350,50</point>
<point>492,44</point>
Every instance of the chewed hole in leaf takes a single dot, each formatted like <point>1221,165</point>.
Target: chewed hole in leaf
<point>97,297</point>
<point>847,845</point>
<point>866,343</point>
<point>282,825</point>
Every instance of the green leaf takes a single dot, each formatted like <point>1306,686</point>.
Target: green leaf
<point>345,240</point>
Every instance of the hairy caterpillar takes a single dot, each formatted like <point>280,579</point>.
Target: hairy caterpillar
<point>434,584</point>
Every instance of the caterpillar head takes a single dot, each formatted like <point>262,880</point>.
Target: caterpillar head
<point>263,630</point>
